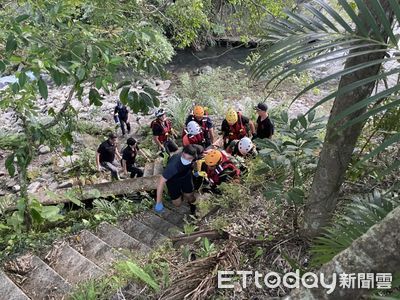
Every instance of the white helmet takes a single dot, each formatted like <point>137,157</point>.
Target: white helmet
<point>245,145</point>
<point>193,128</point>
<point>159,113</point>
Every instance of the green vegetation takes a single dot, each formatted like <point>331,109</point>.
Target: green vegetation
<point>290,161</point>
<point>67,42</point>
<point>358,216</point>
<point>230,196</point>
<point>86,164</point>
<point>91,128</point>
<point>95,289</point>
<point>206,248</point>
<point>150,274</point>
<point>49,225</point>
<point>318,185</point>
<point>364,50</point>
<point>134,271</point>
<point>190,21</point>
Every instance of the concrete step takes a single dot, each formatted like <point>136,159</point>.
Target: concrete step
<point>158,166</point>
<point>41,281</point>
<point>183,210</point>
<point>95,249</point>
<point>173,217</point>
<point>118,239</point>
<point>9,290</point>
<point>71,265</point>
<point>159,224</point>
<point>142,232</point>
<point>148,169</point>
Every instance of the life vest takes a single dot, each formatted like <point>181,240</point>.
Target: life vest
<point>237,130</point>
<point>166,126</point>
<point>197,139</point>
<point>214,175</point>
<point>202,123</point>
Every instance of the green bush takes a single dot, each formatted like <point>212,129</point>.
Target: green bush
<point>288,163</point>
<point>190,19</point>
<point>86,164</point>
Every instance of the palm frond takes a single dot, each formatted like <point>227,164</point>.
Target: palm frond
<point>320,35</point>
<point>361,214</point>
<point>5,203</point>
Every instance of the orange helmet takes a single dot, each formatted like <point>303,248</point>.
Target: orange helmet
<point>212,157</point>
<point>231,116</point>
<point>198,111</point>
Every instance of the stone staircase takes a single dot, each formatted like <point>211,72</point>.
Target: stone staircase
<point>89,254</point>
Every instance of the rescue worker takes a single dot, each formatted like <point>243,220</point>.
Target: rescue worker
<point>129,158</point>
<point>243,147</point>
<point>178,178</point>
<point>200,117</point>
<point>105,156</point>
<point>163,132</point>
<point>236,126</point>
<point>219,168</point>
<point>264,126</point>
<point>121,117</point>
<point>195,135</point>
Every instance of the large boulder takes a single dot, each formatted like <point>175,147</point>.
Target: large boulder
<point>67,161</point>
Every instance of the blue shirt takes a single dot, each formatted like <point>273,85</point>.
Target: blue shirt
<point>175,169</point>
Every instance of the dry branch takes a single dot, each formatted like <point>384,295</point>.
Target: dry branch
<point>190,238</point>
<point>197,279</point>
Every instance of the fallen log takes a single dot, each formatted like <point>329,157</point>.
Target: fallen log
<point>107,189</point>
<point>92,191</point>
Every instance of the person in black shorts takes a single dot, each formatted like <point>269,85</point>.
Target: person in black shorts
<point>178,177</point>
<point>264,126</point>
<point>129,158</point>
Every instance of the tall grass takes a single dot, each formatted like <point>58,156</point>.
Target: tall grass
<point>179,109</point>
<point>216,90</point>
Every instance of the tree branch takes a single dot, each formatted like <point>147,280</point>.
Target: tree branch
<point>219,55</point>
<point>57,118</point>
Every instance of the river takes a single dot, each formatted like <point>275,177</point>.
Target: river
<point>187,60</point>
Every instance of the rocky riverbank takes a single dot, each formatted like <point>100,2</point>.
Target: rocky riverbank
<point>51,170</point>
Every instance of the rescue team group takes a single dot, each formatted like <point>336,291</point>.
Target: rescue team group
<point>203,159</point>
